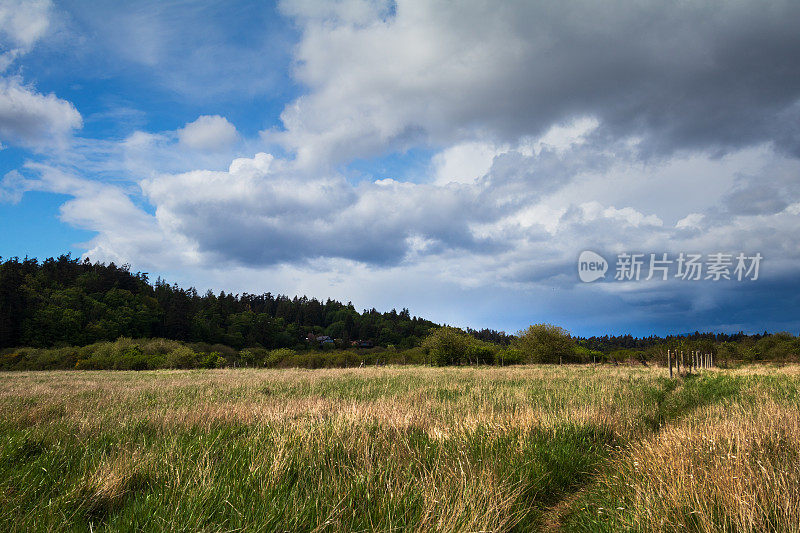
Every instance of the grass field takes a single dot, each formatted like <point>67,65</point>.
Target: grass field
<point>401,449</point>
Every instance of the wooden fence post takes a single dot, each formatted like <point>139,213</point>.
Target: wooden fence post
<point>669,362</point>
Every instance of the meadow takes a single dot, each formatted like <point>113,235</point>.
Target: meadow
<point>410,448</point>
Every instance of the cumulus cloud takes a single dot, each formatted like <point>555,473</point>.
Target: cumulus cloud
<point>31,118</point>
<point>522,222</point>
<point>123,230</point>
<point>263,211</point>
<point>209,132</point>
<point>464,162</point>
<point>28,117</point>
<point>676,76</point>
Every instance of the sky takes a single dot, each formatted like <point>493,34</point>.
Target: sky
<point>452,158</point>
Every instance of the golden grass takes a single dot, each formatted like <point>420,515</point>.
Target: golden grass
<point>730,466</point>
<point>732,463</point>
<point>399,397</point>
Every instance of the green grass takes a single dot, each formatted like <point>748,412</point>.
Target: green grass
<point>389,449</point>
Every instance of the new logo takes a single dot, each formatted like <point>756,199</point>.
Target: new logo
<point>591,266</point>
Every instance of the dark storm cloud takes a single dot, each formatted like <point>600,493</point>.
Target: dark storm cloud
<point>705,75</point>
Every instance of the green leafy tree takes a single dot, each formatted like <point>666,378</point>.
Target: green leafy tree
<point>546,343</point>
<point>447,346</point>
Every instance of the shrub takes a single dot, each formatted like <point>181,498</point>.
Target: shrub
<point>132,359</point>
<point>274,358</point>
<point>510,356</point>
<point>213,360</point>
<point>181,357</point>
<point>247,357</point>
<point>446,346</point>
<point>546,343</point>
<point>481,353</point>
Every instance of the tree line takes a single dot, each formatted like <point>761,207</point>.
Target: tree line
<point>55,305</point>
<point>67,302</point>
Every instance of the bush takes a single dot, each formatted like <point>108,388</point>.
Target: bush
<point>213,360</point>
<point>132,359</point>
<point>546,343</point>
<point>275,358</point>
<point>481,353</point>
<point>451,346</point>
<point>510,356</point>
<point>247,357</point>
<point>181,357</point>
<point>447,346</point>
<point>585,355</point>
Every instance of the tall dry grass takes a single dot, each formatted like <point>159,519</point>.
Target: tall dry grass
<point>399,448</point>
<point>730,466</point>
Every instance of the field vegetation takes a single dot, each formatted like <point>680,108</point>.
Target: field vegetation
<point>401,448</point>
<point>539,343</point>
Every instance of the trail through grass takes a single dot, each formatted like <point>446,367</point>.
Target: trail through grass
<point>723,457</point>
<point>378,449</point>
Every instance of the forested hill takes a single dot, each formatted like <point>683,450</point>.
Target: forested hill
<point>66,301</point>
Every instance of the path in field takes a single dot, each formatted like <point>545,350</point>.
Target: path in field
<point>553,516</point>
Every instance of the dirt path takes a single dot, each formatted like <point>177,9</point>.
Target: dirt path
<point>554,515</point>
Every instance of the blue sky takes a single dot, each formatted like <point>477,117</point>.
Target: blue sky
<point>454,159</point>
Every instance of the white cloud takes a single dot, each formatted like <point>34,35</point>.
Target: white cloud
<point>12,187</point>
<point>465,162</point>
<point>23,22</point>
<point>495,229</point>
<point>33,119</point>
<point>283,229</point>
<point>592,211</point>
<point>125,233</point>
<point>692,220</point>
<point>209,132</point>
<point>28,117</point>
<point>265,211</point>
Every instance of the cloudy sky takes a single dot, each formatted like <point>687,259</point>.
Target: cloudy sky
<point>454,158</point>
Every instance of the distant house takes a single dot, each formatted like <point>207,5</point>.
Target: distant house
<point>324,339</point>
